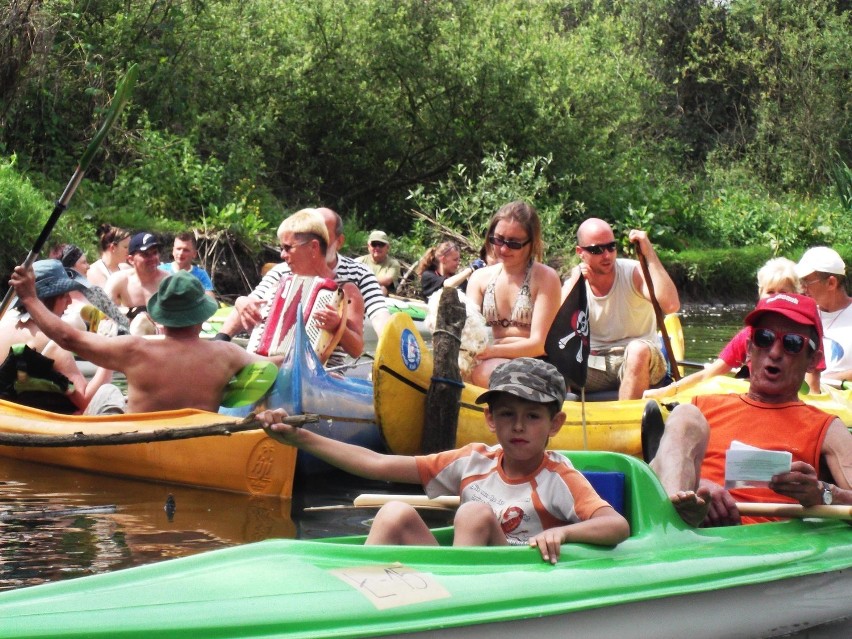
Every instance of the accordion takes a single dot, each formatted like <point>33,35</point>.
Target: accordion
<point>276,332</point>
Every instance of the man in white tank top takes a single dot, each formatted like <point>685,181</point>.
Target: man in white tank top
<point>625,354</point>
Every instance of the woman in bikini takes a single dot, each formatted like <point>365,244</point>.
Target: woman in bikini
<point>114,242</point>
<point>519,296</point>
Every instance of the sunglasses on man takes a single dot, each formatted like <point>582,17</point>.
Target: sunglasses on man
<point>598,249</point>
<point>377,245</point>
<point>792,343</point>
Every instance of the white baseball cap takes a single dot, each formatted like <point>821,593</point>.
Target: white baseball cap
<point>820,259</point>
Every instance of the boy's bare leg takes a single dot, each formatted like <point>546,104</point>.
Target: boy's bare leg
<point>476,525</point>
<point>678,462</point>
<point>399,524</point>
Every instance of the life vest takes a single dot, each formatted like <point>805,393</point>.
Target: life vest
<point>27,377</point>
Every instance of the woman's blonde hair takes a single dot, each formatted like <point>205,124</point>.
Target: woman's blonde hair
<point>429,261</point>
<point>306,222</point>
<point>777,274</point>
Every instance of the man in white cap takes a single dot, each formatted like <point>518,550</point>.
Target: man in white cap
<point>386,268</point>
<point>823,276</point>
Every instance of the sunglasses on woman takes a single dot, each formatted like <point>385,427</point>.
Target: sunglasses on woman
<point>793,343</point>
<point>512,244</point>
<point>598,249</point>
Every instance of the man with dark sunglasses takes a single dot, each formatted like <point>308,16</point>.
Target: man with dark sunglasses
<point>822,274</point>
<point>625,353</point>
<point>387,269</point>
<point>690,462</point>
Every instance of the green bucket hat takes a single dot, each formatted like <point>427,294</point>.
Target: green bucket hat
<point>181,301</point>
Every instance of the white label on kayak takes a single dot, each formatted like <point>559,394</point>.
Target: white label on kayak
<point>392,585</point>
<point>409,349</point>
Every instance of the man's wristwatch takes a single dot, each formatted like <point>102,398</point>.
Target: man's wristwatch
<point>827,497</point>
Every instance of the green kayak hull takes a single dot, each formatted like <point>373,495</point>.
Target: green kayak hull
<point>666,580</point>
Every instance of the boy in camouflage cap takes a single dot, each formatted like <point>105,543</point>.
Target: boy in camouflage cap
<point>514,493</point>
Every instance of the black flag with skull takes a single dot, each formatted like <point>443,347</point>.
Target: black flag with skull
<point>567,342</point>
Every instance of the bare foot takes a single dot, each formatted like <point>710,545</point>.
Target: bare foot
<point>691,507</point>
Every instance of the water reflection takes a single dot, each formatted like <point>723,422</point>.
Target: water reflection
<point>56,523</point>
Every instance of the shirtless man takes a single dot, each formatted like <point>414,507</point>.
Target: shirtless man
<point>690,462</point>
<point>156,370</point>
<point>134,287</point>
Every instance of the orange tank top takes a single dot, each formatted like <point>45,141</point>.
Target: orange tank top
<point>794,426</point>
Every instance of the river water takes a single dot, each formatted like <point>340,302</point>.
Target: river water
<point>58,524</point>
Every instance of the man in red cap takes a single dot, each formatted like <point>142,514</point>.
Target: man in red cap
<point>786,334</point>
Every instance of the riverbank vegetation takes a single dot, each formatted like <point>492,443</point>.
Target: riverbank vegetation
<point>722,128</point>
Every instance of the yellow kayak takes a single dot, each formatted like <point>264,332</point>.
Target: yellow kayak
<point>402,371</point>
<point>245,462</point>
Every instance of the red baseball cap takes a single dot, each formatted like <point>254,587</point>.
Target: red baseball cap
<point>799,308</point>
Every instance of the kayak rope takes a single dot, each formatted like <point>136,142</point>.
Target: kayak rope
<point>446,332</point>
<point>447,380</point>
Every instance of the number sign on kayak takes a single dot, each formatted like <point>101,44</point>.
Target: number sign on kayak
<point>392,585</point>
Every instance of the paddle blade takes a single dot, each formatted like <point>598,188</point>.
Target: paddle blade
<point>250,384</point>
<point>567,341</point>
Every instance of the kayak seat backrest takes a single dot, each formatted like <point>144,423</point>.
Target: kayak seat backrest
<point>610,486</point>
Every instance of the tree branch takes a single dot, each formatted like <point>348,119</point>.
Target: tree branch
<point>144,437</point>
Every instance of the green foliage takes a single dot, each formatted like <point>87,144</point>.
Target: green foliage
<point>169,177</point>
<point>460,207</point>
<point>23,212</point>
<point>783,67</point>
<point>739,212</point>
<point>714,274</point>
<point>706,123</point>
<point>842,175</point>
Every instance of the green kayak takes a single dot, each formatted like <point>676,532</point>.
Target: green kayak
<point>666,580</point>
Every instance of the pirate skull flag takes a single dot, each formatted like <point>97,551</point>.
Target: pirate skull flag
<point>567,342</point>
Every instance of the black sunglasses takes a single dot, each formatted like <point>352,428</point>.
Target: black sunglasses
<point>793,343</point>
<point>512,244</point>
<point>377,244</point>
<point>597,249</point>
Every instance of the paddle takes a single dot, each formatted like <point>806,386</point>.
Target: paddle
<point>122,93</point>
<point>793,511</point>
<point>661,322</point>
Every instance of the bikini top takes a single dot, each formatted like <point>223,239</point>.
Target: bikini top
<point>522,310</point>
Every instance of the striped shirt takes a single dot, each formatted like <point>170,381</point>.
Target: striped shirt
<point>346,270</point>
<point>555,494</point>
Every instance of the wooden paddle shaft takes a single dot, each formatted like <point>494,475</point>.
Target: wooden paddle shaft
<point>661,320</point>
<point>793,511</point>
<point>370,500</point>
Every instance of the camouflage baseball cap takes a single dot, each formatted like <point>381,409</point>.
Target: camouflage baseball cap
<point>527,378</point>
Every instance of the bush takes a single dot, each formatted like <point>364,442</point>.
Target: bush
<point>23,213</point>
